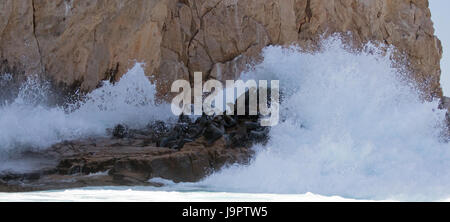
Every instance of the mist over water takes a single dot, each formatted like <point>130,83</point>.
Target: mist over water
<point>353,127</point>
<point>29,123</point>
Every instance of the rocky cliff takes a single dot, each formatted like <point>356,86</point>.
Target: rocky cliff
<point>81,42</point>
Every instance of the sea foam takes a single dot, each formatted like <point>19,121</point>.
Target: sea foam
<point>29,123</point>
<point>352,126</point>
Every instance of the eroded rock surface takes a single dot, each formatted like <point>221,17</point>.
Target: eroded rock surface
<point>80,43</point>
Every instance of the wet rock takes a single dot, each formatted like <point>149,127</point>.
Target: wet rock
<point>106,165</point>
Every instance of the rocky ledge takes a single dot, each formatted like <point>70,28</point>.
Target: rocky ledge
<point>185,151</point>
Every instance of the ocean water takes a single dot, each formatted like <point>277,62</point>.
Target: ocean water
<point>135,195</point>
<point>352,128</point>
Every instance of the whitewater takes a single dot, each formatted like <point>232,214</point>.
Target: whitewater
<point>352,128</point>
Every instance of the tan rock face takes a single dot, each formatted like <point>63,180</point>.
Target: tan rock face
<point>80,41</point>
<point>113,162</point>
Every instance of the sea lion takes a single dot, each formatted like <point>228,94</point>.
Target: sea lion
<point>120,131</point>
